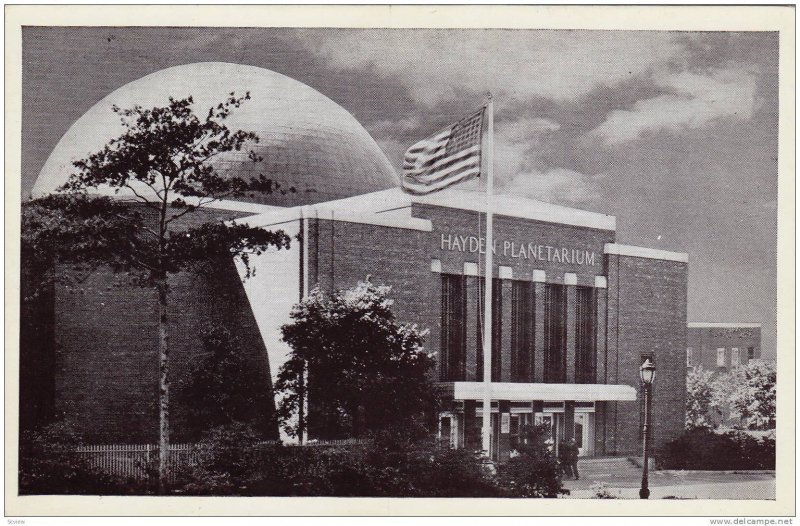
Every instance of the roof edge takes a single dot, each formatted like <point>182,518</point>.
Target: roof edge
<point>643,252</point>
<point>722,325</point>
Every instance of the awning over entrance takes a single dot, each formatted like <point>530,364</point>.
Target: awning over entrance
<point>521,392</point>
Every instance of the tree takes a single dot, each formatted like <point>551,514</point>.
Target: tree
<point>162,164</point>
<point>224,389</point>
<point>701,400</point>
<point>753,398</point>
<point>365,371</point>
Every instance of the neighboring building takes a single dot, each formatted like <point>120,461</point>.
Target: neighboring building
<point>575,313</point>
<point>721,347</point>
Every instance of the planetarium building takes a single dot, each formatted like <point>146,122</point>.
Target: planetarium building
<point>575,313</point>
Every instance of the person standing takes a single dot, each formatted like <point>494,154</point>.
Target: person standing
<point>573,459</point>
<point>564,460</point>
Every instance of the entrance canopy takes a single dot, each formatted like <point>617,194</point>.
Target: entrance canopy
<point>522,392</point>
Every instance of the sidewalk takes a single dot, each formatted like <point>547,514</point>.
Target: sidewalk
<point>624,479</point>
<point>752,490</point>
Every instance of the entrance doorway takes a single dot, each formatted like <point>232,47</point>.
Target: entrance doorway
<point>584,431</point>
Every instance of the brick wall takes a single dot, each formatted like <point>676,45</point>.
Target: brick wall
<point>340,254</point>
<point>105,338</point>
<point>704,342</point>
<point>647,315</point>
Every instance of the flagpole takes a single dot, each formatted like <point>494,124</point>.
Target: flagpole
<point>487,306</point>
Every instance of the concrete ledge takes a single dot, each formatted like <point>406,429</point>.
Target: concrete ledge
<point>714,325</point>
<point>523,392</point>
<point>642,252</point>
<point>285,215</point>
<point>538,276</point>
<point>516,206</point>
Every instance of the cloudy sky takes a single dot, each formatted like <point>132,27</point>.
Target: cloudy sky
<point>674,133</point>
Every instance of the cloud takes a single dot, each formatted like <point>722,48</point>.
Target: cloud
<point>515,64</point>
<point>556,185</point>
<point>394,126</point>
<point>693,101</point>
<point>518,144</point>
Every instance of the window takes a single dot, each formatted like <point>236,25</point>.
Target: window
<point>447,435</point>
<point>585,335</point>
<point>721,357</point>
<point>522,335</point>
<point>689,352</point>
<point>452,366</point>
<point>751,353</point>
<point>734,357</point>
<point>497,327</point>
<point>555,333</point>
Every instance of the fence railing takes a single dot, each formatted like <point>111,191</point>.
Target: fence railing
<point>140,461</point>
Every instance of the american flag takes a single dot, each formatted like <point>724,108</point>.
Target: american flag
<point>448,157</point>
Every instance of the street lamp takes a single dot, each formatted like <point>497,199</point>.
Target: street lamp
<point>647,373</point>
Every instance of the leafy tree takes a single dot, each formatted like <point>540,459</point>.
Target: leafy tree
<point>753,399</point>
<point>365,371</point>
<point>162,163</point>
<point>223,388</point>
<point>701,399</point>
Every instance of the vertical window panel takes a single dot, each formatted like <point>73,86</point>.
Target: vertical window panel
<point>585,331</point>
<point>497,327</point>
<point>522,333</point>
<point>453,352</point>
<point>555,330</point>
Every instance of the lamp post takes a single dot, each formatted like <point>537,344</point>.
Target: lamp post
<point>647,373</point>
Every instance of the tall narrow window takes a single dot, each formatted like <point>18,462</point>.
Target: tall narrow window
<point>721,357</point>
<point>452,366</point>
<point>751,353</point>
<point>497,328</point>
<point>522,331</point>
<point>689,352</point>
<point>555,333</point>
<point>585,362</point>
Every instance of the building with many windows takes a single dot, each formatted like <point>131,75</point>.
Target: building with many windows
<point>721,347</point>
<point>575,313</point>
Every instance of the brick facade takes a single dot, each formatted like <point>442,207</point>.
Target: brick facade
<point>647,318</point>
<point>105,330</point>
<point>643,310</point>
<point>103,347</point>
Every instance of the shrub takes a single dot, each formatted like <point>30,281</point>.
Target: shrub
<point>601,490</point>
<point>225,459</point>
<point>48,465</point>
<point>232,462</point>
<point>535,471</point>
<point>705,450</point>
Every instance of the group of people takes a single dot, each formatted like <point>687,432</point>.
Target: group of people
<point>568,458</point>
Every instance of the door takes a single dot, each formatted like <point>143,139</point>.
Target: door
<point>550,420</point>
<point>583,432</point>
